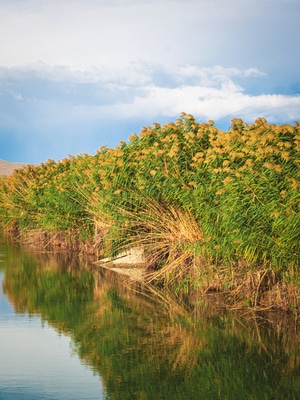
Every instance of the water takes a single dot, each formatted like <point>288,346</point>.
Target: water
<point>37,361</point>
<point>69,331</point>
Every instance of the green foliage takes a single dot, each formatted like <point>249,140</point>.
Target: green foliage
<point>241,187</point>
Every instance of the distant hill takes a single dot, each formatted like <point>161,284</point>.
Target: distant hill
<point>7,168</point>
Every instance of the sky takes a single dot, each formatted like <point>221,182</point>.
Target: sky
<point>79,74</point>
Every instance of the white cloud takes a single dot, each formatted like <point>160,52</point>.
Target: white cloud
<point>76,67</point>
<point>138,91</point>
<point>88,33</point>
<point>205,103</point>
<point>85,33</point>
<point>18,96</point>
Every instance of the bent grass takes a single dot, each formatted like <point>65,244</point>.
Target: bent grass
<point>169,236</point>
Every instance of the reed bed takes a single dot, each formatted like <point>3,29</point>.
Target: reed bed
<point>203,203</point>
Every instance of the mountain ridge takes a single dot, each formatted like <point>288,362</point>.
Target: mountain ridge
<point>8,167</point>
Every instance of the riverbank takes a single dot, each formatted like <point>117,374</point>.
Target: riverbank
<point>223,288</point>
<point>213,211</point>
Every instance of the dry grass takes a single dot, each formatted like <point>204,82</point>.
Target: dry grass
<point>169,237</point>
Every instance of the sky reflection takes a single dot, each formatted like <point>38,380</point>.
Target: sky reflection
<point>38,363</point>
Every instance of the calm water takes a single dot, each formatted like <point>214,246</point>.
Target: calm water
<point>68,331</point>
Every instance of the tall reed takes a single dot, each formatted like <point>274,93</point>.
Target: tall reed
<point>185,191</point>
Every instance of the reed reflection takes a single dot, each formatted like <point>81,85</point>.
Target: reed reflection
<point>146,345</point>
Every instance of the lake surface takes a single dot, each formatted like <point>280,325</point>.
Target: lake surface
<point>71,331</point>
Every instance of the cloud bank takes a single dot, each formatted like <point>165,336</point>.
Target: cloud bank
<point>140,90</point>
<point>78,74</point>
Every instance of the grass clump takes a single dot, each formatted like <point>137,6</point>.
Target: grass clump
<point>203,203</point>
<point>170,237</point>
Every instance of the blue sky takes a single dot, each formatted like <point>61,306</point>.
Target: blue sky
<point>79,74</point>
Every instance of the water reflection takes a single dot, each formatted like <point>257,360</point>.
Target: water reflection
<point>36,362</point>
<point>143,348</point>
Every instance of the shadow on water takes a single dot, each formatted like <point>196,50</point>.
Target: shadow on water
<point>145,346</point>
